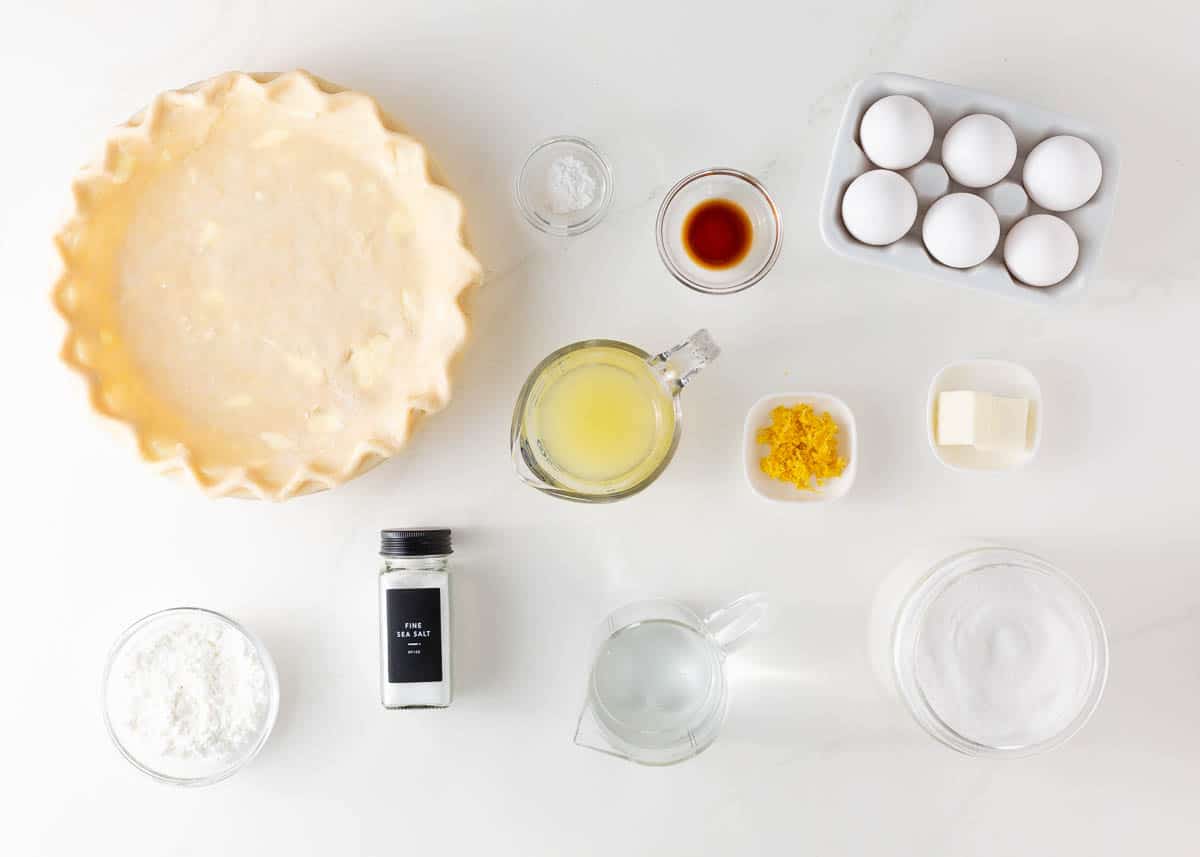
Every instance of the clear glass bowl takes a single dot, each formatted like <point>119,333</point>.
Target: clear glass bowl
<point>909,625</point>
<point>252,748</point>
<point>532,196</point>
<point>738,187</point>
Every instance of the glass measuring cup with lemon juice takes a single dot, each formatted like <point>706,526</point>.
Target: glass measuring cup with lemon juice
<point>604,418</point>
<point>599,419</point>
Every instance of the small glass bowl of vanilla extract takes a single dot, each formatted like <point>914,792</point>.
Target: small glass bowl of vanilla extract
<point>719,231</point>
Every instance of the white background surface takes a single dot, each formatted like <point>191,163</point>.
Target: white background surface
<point>814,759</point>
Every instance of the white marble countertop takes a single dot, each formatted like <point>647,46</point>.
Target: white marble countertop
<point>814,758</point>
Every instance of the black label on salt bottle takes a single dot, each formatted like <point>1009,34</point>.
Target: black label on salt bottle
<point>414,626</point>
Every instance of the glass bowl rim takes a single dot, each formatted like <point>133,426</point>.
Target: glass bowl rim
<point>661,239</point>
<point>268,664</point>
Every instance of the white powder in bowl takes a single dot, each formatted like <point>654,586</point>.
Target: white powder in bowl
<point>188,695</point>
<point>1006,656</point>
<point>570,185</point>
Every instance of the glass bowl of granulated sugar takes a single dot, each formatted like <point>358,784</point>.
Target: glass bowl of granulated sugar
<point>564,187</point>
<point>189,696</point>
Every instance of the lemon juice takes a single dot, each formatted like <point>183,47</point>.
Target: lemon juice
<point>600,418</point>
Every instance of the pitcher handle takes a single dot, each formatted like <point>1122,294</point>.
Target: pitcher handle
<point>680,364</point>
<point>732,625</point>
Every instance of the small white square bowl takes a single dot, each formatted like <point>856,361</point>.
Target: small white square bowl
<point>1000,378</point>
<point>784,492</point>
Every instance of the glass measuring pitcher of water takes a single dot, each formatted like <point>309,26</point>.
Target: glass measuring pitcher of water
<point>656,691</point>
<point>599,420</point>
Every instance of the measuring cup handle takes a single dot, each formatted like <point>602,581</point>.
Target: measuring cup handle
<point>681,363</point>
<point>731,625</point>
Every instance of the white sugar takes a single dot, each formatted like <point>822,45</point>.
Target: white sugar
<point>1005,657</point>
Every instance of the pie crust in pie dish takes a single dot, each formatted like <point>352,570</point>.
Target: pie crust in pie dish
<point>262,281</point>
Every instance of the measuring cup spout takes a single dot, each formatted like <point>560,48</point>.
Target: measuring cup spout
<point>590,736</point>
<point>677,366</point>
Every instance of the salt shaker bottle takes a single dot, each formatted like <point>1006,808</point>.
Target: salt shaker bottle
<point>414,618</point>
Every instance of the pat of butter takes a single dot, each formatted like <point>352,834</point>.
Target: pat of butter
<point>1007,425</point>
<point>986,422</point>
<point>958,418</point>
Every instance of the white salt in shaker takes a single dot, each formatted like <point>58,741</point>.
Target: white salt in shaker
<point>414,619</point>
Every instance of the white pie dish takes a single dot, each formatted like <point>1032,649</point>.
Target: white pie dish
<point>774,491</point>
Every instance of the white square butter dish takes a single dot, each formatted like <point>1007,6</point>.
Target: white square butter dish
<point>999,378</point>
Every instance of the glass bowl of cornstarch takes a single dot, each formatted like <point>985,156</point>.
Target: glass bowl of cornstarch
<point>564,187</point>
<point>189,696</point>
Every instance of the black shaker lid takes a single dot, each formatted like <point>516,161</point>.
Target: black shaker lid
<point>415,542</point>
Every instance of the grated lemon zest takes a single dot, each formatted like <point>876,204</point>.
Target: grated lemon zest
<point>804,447</point>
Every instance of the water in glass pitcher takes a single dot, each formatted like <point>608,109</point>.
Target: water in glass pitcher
<point>655,680</point>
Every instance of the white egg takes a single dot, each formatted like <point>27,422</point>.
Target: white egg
<point>896,132</point>
<point>1041,250</point>
<point>1062,173</point>
<point>960,230</point>
<point>979,150</point>
<point>879,207</point>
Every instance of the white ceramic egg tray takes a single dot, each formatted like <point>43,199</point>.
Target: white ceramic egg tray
<point>947,103</point>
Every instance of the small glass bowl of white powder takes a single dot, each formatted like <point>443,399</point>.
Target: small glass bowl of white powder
<point>997,653</point>
<point>564,187</point>
<point>189,696</point>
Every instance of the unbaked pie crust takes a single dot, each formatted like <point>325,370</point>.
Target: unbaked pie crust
<point>262,281</point>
